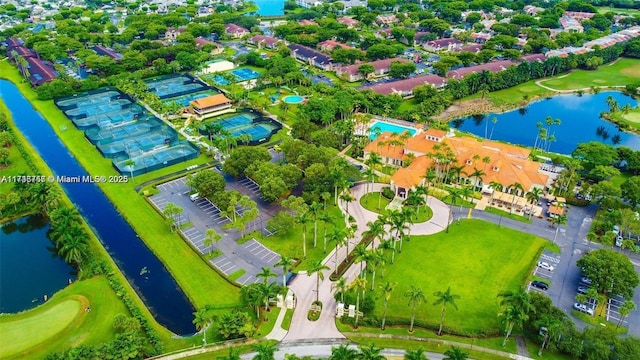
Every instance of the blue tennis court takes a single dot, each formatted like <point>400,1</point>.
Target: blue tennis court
<point>245,74</point>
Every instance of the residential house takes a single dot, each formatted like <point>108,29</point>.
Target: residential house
<point>480,37</point>
<point>381,67</point>
<point>532,10</point>
<point>474,48</point>
<point>421,37</point>
<point>262,41</point>
<point>329,45</point>
<point>444,44</point>
<point>349,21</point>
<point>533,58</point>
<point>579,15</point>
<point>571,24</point>
<point>310,56</point>
<point>39,71</point>
<point>405,87</point>
<point>107,51</point>
<point>505,164</point>
<point>210,104</point>
<point>494,67</point>
<point>383,34</point>
<point>386,19</point>
<point>235,31</point>
<point>217,48</point>
<point>305,22</point>
<point>173,33</point>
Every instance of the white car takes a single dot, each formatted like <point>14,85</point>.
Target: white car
<point>583,308</point>
<point>545,265</point>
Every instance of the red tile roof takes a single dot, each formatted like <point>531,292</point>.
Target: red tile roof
<point>407,85</point>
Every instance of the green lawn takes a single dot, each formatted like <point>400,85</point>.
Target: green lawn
<point>61,322</point>
<point>546,354</point>
<point>606,9</point>
<point>290,244</point>
<point>477,259</point>
<point>201,283</point>
<point>515,96</point>
<point>622,72</point>
<point>426,346</point>
<point>514,216</point>
<point>632,119</point>
<point>369,201</point>
<point>17,165</point>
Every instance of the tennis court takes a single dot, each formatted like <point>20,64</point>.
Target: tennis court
<point>112,133</point>
<point>184,100</point>
<point>245,74</point>
<point>173,86</point>
<point>156,159</point>
<point>141,143</point>
<point>249,123</point>
<point>257,131</point>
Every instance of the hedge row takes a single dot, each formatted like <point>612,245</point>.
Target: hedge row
<point>346,263</point>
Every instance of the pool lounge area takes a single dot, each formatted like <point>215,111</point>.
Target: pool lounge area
<point>125,132</point>
<point>248,125</point>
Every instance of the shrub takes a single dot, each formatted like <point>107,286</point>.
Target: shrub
<point>388,193</point>
<point>577,202</point>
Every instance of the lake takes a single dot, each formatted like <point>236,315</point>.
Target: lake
<point>144,271</point>
<point>29,265</point>
<point>579,116</point>
<point>270,7</point>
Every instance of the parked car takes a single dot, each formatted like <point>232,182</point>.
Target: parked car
<point>540,285</point>
<point>583,308</point>
<point>582,289</point>
<point>545,265</point>
<point>585,280</point>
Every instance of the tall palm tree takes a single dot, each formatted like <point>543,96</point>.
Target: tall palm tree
<point>374,259</point>
<point>267,291</point>
<point>359,285</point>
<point>387,288</point>
<point>303,220</point>
<point>201,320</point>
<point>286,263</point>
<point>343,352</point>
<point>265,351</point>
<point>340,238</point>
<point>252,296</point>
<point>495,186</point>
<point>360,256</point>
<point>515,187</point>
<point>211,236</point>
<point>314,209</point>
<point>397,220</point>
<point>326,219</point>
<point>511,316</point>
<point>370,352</point>
<point>533,197</point>
<point>550,324</point>
<point>266,273</point>
<point>466,193</point>
<point>417,354</point>
<point>557,221</point>
<point>317,268</point>
<point>416,296</point>
<point>347,198</point>
<point>445,298</point>
<point>376,230</point>
<point>74,249</point>
<point>455,353</point>
<point>340,286</point>
<point>477,174</point>
<point>627,307</point>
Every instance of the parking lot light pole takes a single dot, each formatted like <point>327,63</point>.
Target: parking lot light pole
<point>500,221</point>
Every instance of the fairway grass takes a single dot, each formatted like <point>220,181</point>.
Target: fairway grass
<point>22,334</point>
<point>476,259</point>
<point>622,72</point>
<point>61,322</point>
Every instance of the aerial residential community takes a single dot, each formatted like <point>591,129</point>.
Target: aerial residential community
<point>279,179</point>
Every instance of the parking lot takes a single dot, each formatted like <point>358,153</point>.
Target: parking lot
<point>202,214</point>
<point>552,260</point>
<point>613,310</point>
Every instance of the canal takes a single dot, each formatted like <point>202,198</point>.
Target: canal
<point>144,271</point>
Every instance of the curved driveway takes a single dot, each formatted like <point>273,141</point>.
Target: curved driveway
<point>304,286</point>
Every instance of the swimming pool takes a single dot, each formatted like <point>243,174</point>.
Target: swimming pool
<point>388,127</point>
<point>293,99</point>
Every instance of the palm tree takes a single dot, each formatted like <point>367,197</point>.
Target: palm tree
<point>252,296</point>
<point>455,194</point>
<point>340,286</point>
<point>495,186</point>
<point>347,198</point>
<point>397,221</point>
<point>627,307</point>
<point>317,268</point>
<point>201,321</point>
<point>304,220</point>
<point>267,291</point>
<point>130,163</point>
<point>416,296</point>
<point>550,324</point>
<point>516,308</point>
<point>266,273</point>
<point>417,354</point>
<point>360,253</point>
<point>375,230</point>
<point>314,209</point>
<point>339,236</point>
<point>373,259</point>
<point>533,197</point>
<point>359,284</point>
<point>211,236</point>
<point>370,352</point>
<point>265,351</point>
<point>286,263</point>
<point>387,288</point>
<point>515,187</point>
<point>74,248</point>
<point>343,352</point>
<point>466,193</point>
<point>455,353</point>
<point>477,174</point>
<point>326,219</point>
<point>445,298</point>
<point>557,221</point>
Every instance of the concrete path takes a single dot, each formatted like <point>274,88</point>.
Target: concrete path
<point>305,287</point>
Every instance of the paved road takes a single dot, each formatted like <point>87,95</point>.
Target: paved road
<point>305,287</point>
<point>572,241</point>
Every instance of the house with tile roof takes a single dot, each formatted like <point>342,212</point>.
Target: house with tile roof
<point>107,51</point>
<point>263,41</point>
<point>235,31</point>
<point>505,164</point>
<point>216,50</point>
<point>381,67</point>
<point>494,67</point>
<point>39,71</point>
<point>444,44</point>
<point>210,105</point>
<point>349,21</point>
<point>405,87</point>
<point>329,45</point>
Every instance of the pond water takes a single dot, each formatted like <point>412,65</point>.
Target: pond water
<point>29,265</point>
<point>579,116</point>
<point>143,270</point>
<point>270,7</point>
